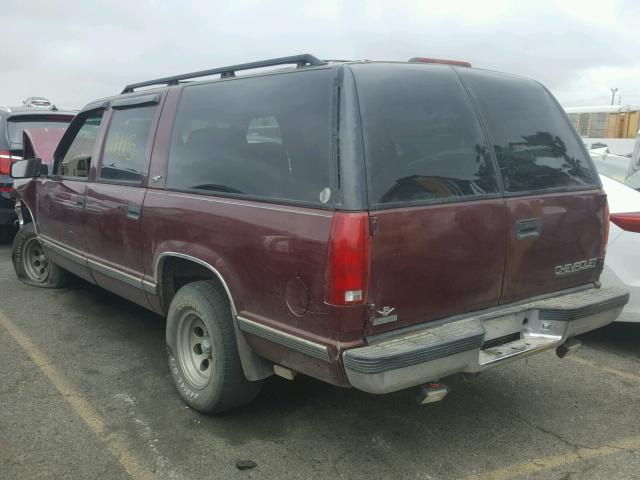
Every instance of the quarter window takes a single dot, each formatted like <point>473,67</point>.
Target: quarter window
<point>126,144</point>
<point>76,162</point>
<point>265,137</point>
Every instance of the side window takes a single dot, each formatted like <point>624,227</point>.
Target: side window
<point>264,137</point>
<point>76,162</point>
<point>534,144</point>
<point>125,146</point>
<point>423,141</point>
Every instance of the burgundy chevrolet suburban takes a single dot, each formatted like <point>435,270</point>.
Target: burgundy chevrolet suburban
<point>380,225</point>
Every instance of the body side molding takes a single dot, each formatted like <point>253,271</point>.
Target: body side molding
<point>294,342</point>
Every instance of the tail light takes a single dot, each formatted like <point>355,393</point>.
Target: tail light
<point>5,162</point>
<point>627,221</point>
<point>347,271</point>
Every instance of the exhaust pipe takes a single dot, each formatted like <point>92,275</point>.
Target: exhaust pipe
<point>568,347</point>
<point>432,392</point>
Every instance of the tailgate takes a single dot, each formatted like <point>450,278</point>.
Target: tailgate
<point>436,261</point>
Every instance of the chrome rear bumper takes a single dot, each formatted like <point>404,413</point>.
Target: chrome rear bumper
<point>480,340</point>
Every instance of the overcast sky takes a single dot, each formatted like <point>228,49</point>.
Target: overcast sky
<point>74,51</point>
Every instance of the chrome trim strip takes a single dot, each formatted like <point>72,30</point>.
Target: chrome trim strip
<point>150,287</point>
<point>63,251</point>
<point>33,220</point>
<point>100,267</point>
<point>115,273</point>
<point>219,200</point>
<point>156,272</point>
<point>286,339</point>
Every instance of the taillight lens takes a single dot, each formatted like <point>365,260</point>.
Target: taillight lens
<point>5,162</point>
<point>627,221</point>
<point>347,273</point>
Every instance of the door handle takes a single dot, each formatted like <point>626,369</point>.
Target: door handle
<point>133,211</point>
<point>528,228</point>
<point>80,201</point>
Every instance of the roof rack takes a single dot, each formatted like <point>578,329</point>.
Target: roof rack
<point>230,71</point>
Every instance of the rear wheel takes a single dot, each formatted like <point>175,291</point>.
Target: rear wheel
<point>202,351</point>
<point>31,263</point>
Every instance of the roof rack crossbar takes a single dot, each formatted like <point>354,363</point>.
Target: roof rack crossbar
<point>224,72</point>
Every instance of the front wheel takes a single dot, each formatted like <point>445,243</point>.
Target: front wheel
<point>202,351</point>
<point>31,263</point>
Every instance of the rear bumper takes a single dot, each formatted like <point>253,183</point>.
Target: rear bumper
<point>480,340</point>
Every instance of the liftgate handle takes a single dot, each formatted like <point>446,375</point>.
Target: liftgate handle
<point>133,211</point>
<point>528,228</point>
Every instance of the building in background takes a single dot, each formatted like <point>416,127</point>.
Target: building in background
<point>609,121</point>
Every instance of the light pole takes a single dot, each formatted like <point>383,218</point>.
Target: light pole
<point>613,94</point>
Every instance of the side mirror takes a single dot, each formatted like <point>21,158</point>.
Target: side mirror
<point>29,168</point>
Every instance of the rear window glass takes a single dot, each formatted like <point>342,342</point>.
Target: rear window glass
<point>16,125</point>
<point>534,144</point>
<point>266,137</point>
<point>423,141</point>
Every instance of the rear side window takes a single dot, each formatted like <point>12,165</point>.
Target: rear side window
<point>264,137</point>
<point>126,144</point>
<point>423,141</point>
<point>534,144</point>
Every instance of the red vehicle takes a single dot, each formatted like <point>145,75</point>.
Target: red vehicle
<point>380,225</point>
<point>13,122</point>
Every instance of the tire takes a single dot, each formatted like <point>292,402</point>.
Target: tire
<point>31,263</point>
<point>202,350</point>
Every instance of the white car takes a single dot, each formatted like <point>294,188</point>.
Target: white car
<point>622,261</point>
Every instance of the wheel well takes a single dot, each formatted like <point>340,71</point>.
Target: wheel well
<point>177,272</point>
<point>26,214</point>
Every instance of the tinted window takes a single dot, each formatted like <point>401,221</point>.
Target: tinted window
<point>76,162</point>
<point>534,144</point>
<point>126,142</point>
<point>423,141</point>
<point>265,137</point>
<point>15,125</point>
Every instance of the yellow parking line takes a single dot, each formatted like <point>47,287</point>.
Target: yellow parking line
<point>132,465</point>
<point>555,461</point>
<point>602,368</point>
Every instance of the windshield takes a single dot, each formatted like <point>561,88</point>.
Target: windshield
<point>616,167</point>
<point>16,125</point>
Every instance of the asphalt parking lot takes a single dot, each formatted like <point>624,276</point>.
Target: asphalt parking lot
<point>85,392</point>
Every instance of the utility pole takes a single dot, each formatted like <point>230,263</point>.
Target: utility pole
<point>613,94</point>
